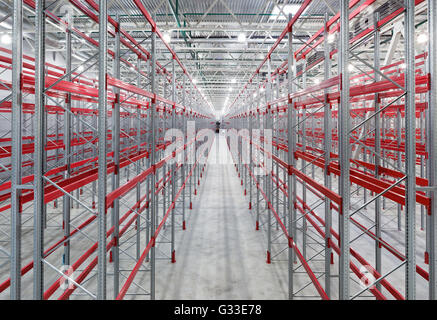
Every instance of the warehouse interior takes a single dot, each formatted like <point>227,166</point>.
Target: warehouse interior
<point>218,149</point>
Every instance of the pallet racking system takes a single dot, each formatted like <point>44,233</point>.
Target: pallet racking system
<point>86,165</point>
<point>352,151</point>
<point>336,156</point>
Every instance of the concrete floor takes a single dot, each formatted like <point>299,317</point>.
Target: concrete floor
<point>220,255</point>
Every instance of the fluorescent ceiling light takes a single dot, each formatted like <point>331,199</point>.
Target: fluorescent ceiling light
<point>6,39</point>
<point>6,25</point>
<point>242,37</point>
<point>422,38</point>
<point>167,37</point>
<point>287,9</point>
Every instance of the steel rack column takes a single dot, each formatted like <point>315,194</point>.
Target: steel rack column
<point>304,137</point>
<point>191,148</point>
<point>44,168</point>
<point>196,168</point>
<point>291,138</point>
<point>262,136</point>
<point>251,148</point>
<point>66,203</point>
<point>17,67</point>
<point>277,152</point>
<point>410,153</point>
<point>173,164</point>
<point>195,151</point>
<point>57,133</point>
<point>94,120</point>
<point>183,164</point>
<point>239,143</point>
<point>244,125</point>
<point>191,131</point>
<point>268,181</point>
<point>149,187</point>
<point>77,151</point>
<point>128,141</point>
<point>313,144</point>
<point>161,135</point>
<point>153,162</point>
<point>258,140</point>
<point>384,154</point>
<point>137,165</point>
<point>240,149</point>
<point>344,151</point>
<point>327,128</point>
<point>432,138</point>
<point>116,158</point>
<point>39,153</point>
<point>398,130</point>
<point>102,112</point>
<point>284,157</point>
<point>244,156</point>
<point>376,59</point>
<point>423,165</point>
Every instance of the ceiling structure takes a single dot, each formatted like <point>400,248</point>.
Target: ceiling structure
<point>221,42</point>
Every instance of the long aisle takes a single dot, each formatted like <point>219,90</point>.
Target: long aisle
<point>220,255</point>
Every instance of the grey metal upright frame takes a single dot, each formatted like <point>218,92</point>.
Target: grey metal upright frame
<point>327,127</point>
<point>344,151</point>
<point>102,171</point>
<point>17,65</point>
<point>291,137</point>
<point>153,203</point>
<point>116,149</point>
<point>410,152</point>
<point>432,140</point>
<point>39,159</point>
